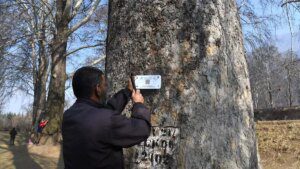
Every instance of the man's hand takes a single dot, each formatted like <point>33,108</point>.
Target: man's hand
<point>137,97</point>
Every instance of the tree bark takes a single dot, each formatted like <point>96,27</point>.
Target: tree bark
<point>34,77</point>
<point>202,116</point>
<point>271,102</point>
<point>65,12</point>
<point>40,78</point>
<point>289,90</point>
<point>56,93</point>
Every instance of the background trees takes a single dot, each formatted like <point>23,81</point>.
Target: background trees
<point>46,36</point>
<point>274,77</point>
<point>273,71</point>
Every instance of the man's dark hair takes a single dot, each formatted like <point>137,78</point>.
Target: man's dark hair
<point>85,80</point>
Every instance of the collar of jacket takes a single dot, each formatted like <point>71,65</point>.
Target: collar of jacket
<point>92,103</point>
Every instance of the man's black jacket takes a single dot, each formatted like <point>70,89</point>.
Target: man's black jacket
<point>94,134</point>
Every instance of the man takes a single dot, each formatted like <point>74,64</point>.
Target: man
<point>94,132</point>
<point>13,134</point>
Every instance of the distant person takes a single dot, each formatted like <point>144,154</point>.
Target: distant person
<point>40,128</point>
<point>94,131</point>
<point>13,132</point>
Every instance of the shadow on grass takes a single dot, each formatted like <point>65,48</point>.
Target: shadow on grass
<point>22,156</point>
<point>60,164</point>
<point>22,159</point>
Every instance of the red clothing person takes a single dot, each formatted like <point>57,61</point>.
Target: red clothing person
<point>42,124</point>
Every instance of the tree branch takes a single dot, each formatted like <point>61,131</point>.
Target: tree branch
<point>83,47</point>
<point>288,2</point>
<point>67,9</point>
<point>92,63</point>
<point>86,19</point>
<point>76,8</point>
<point>97,61</point>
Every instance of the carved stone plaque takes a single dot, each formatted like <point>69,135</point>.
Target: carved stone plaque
<point>158,150</point>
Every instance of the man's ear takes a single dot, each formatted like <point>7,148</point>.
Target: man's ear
<point>98,88</point>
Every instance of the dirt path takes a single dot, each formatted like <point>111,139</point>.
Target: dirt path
<point>23,156</point>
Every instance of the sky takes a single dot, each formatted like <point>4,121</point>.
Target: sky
<point>280,34</point>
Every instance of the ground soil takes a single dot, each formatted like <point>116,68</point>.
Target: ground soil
<point>278,144</point>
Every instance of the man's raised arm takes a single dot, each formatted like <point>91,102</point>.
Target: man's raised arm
<point>126,132</point>
<point>121,98</point>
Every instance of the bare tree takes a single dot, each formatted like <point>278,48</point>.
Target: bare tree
<point>256,26</point>
<point>7,33</point>
<point>65,12</point>
<point>46,29</point>
<point>265,71</point>
<point>274,78</point>
<point>291,66</point>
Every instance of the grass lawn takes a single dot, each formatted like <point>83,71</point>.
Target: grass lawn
<point>279,144</point>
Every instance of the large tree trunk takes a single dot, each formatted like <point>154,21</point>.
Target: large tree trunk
<point>203,114</point>
<point>65,12</point>
<point>56,93</point>
<point>40,78</point>
<point>34,77</point>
